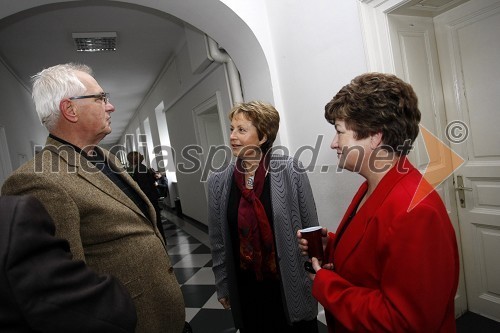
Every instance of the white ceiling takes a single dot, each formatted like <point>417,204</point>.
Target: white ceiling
<point>427,8</point>
<point>41,37</point>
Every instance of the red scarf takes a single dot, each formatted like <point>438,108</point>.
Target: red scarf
<point>256,236</point>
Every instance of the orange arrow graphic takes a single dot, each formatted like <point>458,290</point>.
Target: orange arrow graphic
<point>443,161</point>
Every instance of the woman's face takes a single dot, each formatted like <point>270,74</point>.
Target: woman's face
<point>244,136</point>
<point>352,153</point>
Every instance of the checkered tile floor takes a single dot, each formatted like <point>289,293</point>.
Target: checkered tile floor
<point>189,251</point>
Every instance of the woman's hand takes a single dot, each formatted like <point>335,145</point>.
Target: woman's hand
<point>225,302</point>
<point>303,242</point>
<point>315,264</point>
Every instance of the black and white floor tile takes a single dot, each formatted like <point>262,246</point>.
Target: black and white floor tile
<point>188,247</point>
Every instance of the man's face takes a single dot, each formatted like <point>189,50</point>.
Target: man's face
<point>94,116</point>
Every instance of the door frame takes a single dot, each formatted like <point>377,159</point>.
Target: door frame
<point>209,109</point>
<point>375,22</point>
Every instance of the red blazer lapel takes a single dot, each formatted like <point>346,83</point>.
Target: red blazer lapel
<point>355,231</point>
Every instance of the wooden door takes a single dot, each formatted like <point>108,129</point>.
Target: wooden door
<point>416,61</point>
<point>468,39</point>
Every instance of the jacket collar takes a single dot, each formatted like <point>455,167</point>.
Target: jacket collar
<point>361,219</point>
<point>76,162</point>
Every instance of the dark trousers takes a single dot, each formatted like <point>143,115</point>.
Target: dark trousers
<point>263,309</point>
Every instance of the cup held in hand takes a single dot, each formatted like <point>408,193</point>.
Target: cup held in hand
<point>314,241</point>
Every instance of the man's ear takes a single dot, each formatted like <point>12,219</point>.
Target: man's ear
<point>68,110</point>
<point>263,140</point>
<point>376,140</point>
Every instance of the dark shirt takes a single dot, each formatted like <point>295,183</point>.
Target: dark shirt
<point>100,162</point>
<point>145,178</point>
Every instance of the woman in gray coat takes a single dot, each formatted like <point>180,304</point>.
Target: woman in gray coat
<point>256,205</point>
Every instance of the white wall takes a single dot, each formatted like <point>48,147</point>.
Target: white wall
<point>181,127</point>
<point>181,91</point>
<point>295,54</point>
<point>19,118</point>
<point>310,52</point>
<point>313,49</point>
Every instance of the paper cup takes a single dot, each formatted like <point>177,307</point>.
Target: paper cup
<point>314,241</point>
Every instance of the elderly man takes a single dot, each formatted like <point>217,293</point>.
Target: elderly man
<point>96,206</point>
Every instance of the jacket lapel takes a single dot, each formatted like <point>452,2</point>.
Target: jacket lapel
<point>86,170</point>
<point>359,223</point>
<point>117,167</point>
<point>227,178</point>
<point>354,231</point>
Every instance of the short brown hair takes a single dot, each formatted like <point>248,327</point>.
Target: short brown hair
<point>263,116</point>
<point>377,102</point>
<point>135,154</point>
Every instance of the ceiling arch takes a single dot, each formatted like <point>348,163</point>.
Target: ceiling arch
<point>212,17</point>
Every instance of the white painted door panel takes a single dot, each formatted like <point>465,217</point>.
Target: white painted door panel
<point>468,39</point>
<point>416,61</point>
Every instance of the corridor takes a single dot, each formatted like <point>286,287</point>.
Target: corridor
<point>187,243</point>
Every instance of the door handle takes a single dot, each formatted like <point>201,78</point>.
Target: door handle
<point>461,190</point>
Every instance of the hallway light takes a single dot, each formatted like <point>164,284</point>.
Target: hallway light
<point>95,41</point>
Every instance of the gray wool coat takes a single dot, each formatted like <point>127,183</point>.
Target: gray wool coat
<point>106,229</point>
<point>293,208</point>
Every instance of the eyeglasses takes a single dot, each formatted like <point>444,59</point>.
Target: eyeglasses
<point>102,96</point>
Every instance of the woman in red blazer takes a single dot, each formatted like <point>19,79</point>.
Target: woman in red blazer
<point>390,267</point>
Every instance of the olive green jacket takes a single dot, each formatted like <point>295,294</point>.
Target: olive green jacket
<point>105,229</point>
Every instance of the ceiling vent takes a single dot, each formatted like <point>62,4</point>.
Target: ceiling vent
<point>95,41</point>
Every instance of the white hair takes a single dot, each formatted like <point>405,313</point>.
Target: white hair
<point>53,84</point>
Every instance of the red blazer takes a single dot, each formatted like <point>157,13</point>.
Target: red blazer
<point>395,271</point>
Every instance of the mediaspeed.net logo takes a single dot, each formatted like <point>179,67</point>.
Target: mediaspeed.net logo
<point>443,161</point>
